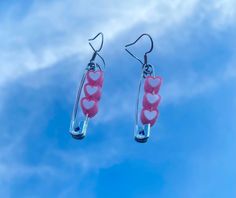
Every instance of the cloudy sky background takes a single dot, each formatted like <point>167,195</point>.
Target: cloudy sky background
<point>43,51</point>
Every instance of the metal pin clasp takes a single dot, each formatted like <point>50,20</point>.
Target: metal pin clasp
<point>142,133</point>
<point>78,130</point>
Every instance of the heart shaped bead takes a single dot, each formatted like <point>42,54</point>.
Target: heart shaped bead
<point>152,84</point>
<point>92,92</point>
<point>95,78</point>
<point>151,101</point>
<point>89,107</point>
<point>149,116</point>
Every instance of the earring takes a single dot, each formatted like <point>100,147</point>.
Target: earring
<point>92,89</point>
<point>151,84</point>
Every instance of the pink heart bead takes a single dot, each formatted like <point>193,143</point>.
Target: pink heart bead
<point>95,78</point>
<point>149,116</point>
<point>92,92</point>
<point>151,101</point>
<point>89,107</point>
<point>152,84</point>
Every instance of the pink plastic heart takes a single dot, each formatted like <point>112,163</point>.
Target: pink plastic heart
<point>95,78</point>
<point>152,84</point>
<point>89,107</point>
<point>92,92</point>
<point>151,101</point>
<point>149,116</point>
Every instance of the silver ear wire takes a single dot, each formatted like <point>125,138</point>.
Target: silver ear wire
<point>146,67</point>
<point>98,50</point>
<point>145,55</point>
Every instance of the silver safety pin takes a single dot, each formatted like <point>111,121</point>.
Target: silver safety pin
<point>142,132</point>
<point>78,129</point>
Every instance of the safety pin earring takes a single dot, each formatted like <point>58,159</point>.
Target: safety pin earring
<point>93,76</point>
<point>151,99</point>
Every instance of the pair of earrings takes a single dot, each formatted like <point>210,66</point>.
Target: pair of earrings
<point>91,85</point>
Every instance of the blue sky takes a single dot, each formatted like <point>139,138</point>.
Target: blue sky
<point>43,51</point>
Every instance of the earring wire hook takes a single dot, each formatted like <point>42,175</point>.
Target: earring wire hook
<point>100,33</point>
<point>98,50</point>
<point>145,55</point>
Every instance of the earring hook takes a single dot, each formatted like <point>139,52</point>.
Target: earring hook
<point>98,50</point>
<point>145,55</point>
<point>100,33</point>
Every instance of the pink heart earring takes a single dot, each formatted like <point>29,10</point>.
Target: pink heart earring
<point>92,90</point>
<point>147,116</point>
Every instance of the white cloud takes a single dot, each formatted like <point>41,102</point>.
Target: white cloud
<point>48,33</point>
<point>225,12</point>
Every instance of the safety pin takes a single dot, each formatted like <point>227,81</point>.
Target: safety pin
<point>78,129</point>
<point>142,131</point>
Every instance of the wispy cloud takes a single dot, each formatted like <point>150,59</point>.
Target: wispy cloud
<point>39,38</point>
